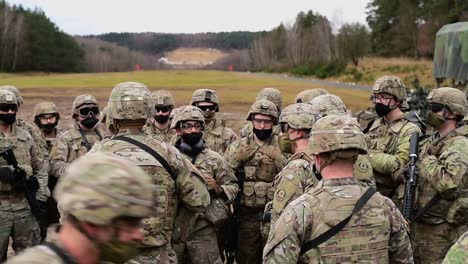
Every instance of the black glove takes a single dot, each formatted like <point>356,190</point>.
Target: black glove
<point>7,175</point>
<point>33,184</point>
<point>20,180</point>
<point>42,206</point>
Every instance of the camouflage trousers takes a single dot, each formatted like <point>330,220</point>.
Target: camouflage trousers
<point>201,247</point>
<point>163,255</point>
<point>17,222</point>
<point>249,242</point>
<point>431,242</point>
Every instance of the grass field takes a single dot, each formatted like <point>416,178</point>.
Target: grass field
<point>236,90</point>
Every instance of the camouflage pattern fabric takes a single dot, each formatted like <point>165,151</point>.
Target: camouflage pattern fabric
<point>307,95</point>
<point>162,97</point>
<point>442,169</point>
<point>217,136</point>
<point>391,85</point>
<point>458,253</point>
<point>273,95</point>
<point>328,104</point>
<point>450,97</point>
<point>164,135</point>
<point>377,233</point>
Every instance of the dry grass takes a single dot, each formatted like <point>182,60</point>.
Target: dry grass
<point>194,56</point>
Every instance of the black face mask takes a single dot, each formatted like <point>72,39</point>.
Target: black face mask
<point>8,119</point>
<point>49,127</point>
<point>382,110</point>
<point>90,122</point>
<point>161,119</point>
<point>263,134</point>
<point>192,138</point>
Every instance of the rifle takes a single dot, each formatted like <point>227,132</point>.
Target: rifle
<point>411,180</point>
<point>232,224</point>
<point>29,186</point>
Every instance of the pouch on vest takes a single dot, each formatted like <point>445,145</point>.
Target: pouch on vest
<point>266,170</point>
<point>248,191</point>
<point>217,211</point>
<point>260,193</point>
<point>250,172</point>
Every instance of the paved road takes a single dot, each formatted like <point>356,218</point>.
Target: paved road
<point>315,81</point>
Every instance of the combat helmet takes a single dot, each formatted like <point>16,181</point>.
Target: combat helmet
<point>327,104</point>
<point>15,90</point>
<point>187,113</point>
<point>307,95</point>
<point>130,101</point>
<point>45,108</point>
<point>264,107</point>
<point>336,133</point>
<point>205,95</point>
<point>298,116</point>
<point>454,99</point>
<point>163,97</point>
<point>82,100</point>
<point>99,187</point>
<point>272,95</point>
<point>391,85</point>
<point>8,97</point>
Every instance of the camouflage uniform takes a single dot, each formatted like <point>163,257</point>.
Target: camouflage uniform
<point>272,95</point>
<point>97,189</point>
<point>307,95</point>
<point>458,253</point>
<point>131,102</point>
<point>389,142</point>
<point>72,144</point>
<point>375,234</point>
<point>17,220</point>
<point>201,246</point>
<point>260,163</point>
<point>330,104</point>
<point>45,108</point>
<point>443,166</point>
<point>217,136</point>
<point>160,98</point>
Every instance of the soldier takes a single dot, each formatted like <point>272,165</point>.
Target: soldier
<point>458,253</point>
<point>307,95</point>
<point>330,104</point>
<point>375,233</point>
<point>160,124</point>
<point>176,184</point>
<point>443,178</point>
<point>79,139</point>
<point>17,220</point>
<point>106,197</point>
<point>297,176</point>
<point>272,95</point>
<point>46,118</point>
<point>388,136</point>
<point>216,135</point>
<point>201,246</point>
<point>255,159</point>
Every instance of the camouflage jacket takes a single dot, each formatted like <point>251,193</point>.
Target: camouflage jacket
<point>51,137</point>
<point>377,233</point>
<point>458,253</point>
<point>187,190</point>
<point>38,138</point>
<point>30,159</point>
<point>164,135</point>
<point>388,145</point>
<point>69,146</point>
<point>443,166</point>
<point>217,136</point>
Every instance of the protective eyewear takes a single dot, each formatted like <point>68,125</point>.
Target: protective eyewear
<point>207,107</point>
<point>437,107</point>
<point>264,121</point>
<point>188,126</point>
<point>85,111</point>
<point>163,109</point>
<point>8,107</point>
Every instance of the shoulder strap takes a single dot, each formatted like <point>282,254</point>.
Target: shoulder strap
<point>67,259</point>
<point>85,142</point>
<point>98,133</point>
<point>428,206</point>
<point>150,151</point>
<point>334,230</point>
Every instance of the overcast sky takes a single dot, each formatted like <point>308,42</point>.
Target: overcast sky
<point>81,17</point>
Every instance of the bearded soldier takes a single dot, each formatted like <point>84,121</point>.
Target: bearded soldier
<point>79,139</point>
<point>201,245</point>
<point>28,175</point>
<point>106,198</point>
<point>442,206</point>
<point>160,124</point>
<point>255,159</point>
<point>388,136</point>
<point>373,232</point>
<point>216,135</point>
<point>176,184</point>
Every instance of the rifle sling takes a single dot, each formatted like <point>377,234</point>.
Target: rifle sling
<point>86,143</point>
<point>334,230</point>
<point>428,206</point>
<point>150,151</point>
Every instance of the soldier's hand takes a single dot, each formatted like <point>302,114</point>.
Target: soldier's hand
<point>213,184</point>
<point>273,152</point>
<point>245,153</point>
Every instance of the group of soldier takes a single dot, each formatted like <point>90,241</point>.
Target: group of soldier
<point>141,181</point>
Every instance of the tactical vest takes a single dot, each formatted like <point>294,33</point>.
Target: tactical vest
<point>78,146</point>
<point>214,136</point>
<point>443,210</point>
<point>363,240</point>
<point>158,228</point>
<point>260,171</point>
